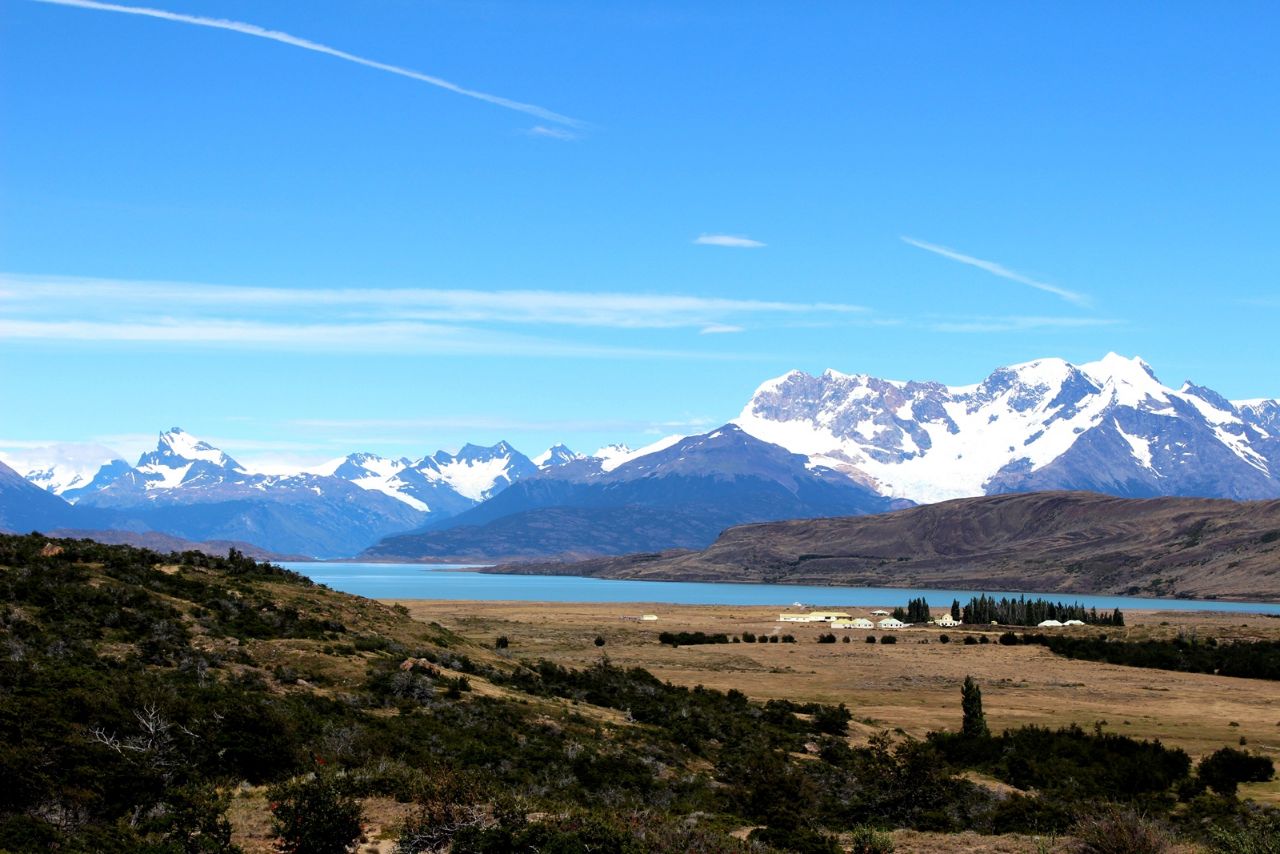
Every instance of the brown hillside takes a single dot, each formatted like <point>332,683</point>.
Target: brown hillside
<point>1068,542</point>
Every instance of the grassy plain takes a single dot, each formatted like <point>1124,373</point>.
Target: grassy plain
<point>913,686</point>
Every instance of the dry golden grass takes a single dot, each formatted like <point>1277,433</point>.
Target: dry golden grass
<point>913,685</point>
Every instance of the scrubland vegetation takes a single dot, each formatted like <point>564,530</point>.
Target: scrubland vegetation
<point>148,702</point>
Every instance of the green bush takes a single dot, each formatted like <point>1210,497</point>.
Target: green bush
<point>315,815</point>
<point>796,839</point>
<point>1256,832</point>
<point>1223,770</point>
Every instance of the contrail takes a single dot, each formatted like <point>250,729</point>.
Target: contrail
<point>294,41</point>
<point>1000,270</point>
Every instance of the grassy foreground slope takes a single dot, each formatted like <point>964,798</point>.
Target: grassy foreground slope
<point>1068,542</point>
<point>179,703</point>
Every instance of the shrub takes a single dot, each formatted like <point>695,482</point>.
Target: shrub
<point>889,639</point>
<point>1256,832</point>
<point>845,639</point>
<point>871,638</point>
<point>502,642</point>
<point>314,815</point>
<point>970,640</point>
<point>599,640</point>
<point>944,639</point>
<point>868,840</point>
<point>748,637</point>
<point>1009,639</point>
<point>1115,830</point>
<point>1223,770</point>
<point>800,840</point>
<point>788,638</point>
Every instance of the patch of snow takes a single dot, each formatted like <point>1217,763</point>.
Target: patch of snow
<point>612,462</point>
<point>475,479</point>
<point>164,477</point>
<point>378,484</point>
<point>1140,447</point>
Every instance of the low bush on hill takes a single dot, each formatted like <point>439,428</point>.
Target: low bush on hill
<point>137,690</point>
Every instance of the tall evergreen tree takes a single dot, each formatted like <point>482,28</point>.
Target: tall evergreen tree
<point>955,609</point>
<point>975,721</point>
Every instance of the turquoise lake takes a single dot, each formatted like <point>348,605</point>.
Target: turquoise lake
<point>425,581</point>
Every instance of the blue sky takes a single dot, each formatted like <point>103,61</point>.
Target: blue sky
<point>298,255</point>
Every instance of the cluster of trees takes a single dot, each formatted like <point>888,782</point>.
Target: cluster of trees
<point>696,638</point>
<point>917,611</point>
<point>691,638</point>
<point>123,728</point>
<point>1247,659</point>
<point>1030,612</point>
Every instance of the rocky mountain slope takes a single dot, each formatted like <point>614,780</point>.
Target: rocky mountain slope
<point>1064,542</point>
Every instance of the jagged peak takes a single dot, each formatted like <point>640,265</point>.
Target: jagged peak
<point>177,444</point>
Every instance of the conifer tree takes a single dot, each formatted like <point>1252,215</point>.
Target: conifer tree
<point>975,721</point>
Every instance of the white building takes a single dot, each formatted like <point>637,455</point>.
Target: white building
<point>879,613</point>
<point>859,623</point>
<point>1050,624</point>
<point>947,621</point>
<point>814,617</point>
<point>891,623</point>
<point>1074,623</point>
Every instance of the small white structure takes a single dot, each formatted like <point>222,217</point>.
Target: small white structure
<point>1050,624</point>
<point>879,613</point>
<point>814,617</point>
<point>648,618</point>
<point>1074,623</point>
<point>947,621</point>
<point>891,623</point>
<point>859,623</point>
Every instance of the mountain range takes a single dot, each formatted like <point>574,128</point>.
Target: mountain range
<point>804,446</point>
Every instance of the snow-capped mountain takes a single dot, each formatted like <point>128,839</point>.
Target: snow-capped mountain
<point>679,492</point>
<point>189,488</point>
<point>68,470</point>
<point>25,507</point>
<point>556,455</point>
<point>444,484</point>
<point>1108,426</point>
<point>477,472</point>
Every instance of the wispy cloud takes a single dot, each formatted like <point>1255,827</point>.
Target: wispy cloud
<point>58,298</point>
<point>733,241</point>
<point>421,321</point>
<point>1018,323</point>
<point>399,338</point>
<point>1000,270</point>
<point>305,44</point>
<point>552,133</point>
